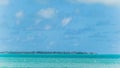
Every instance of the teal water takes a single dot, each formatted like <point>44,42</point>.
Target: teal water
<point>59,61</point>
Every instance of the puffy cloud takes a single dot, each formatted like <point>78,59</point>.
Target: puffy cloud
<point>107,2</point>
<point>4,2</point>
<point>66,21</point>
<point>47,13</point>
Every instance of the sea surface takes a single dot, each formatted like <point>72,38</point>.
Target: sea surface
<point>59,61</point>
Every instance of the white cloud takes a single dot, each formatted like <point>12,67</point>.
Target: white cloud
<point>37,21</point>
<point>19,14</point>
<point>66,21</point>
<point>47,27</point>
<point>107,2</point>
<point>47,13</point>
<point>4,2</point>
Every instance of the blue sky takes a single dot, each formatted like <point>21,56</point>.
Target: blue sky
<point>60,25</point>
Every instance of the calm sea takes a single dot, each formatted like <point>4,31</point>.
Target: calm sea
<point>59,61</point>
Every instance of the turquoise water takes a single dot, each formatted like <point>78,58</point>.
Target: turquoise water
<point>58,61</point>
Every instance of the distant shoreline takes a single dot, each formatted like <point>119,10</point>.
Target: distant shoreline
<point>40,52</point>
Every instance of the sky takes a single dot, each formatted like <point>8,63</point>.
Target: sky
<point>60,25</point>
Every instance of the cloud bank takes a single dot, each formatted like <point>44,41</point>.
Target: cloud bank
<point>4,2</point>
<point>106,2</point>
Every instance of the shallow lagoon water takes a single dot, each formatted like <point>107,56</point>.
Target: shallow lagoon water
<point>59,61</point>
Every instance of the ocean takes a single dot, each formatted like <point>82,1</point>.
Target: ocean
<point>59,61</point>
